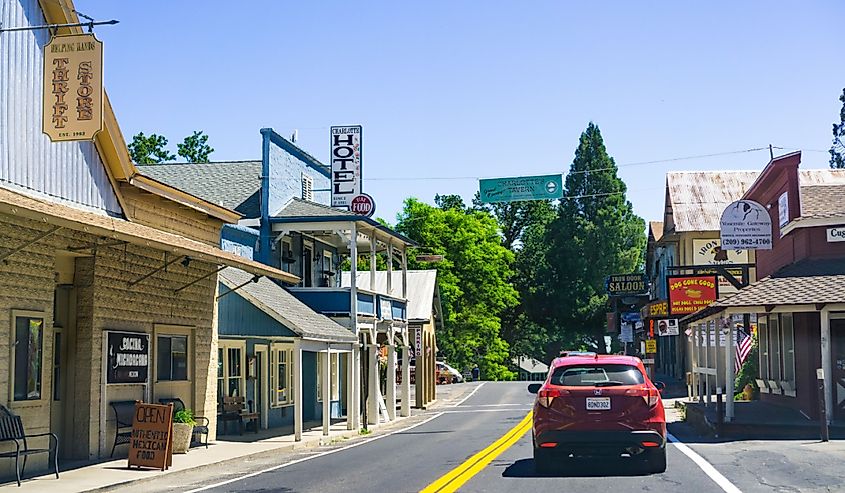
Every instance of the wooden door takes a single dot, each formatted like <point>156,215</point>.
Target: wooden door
<point>837,337</point>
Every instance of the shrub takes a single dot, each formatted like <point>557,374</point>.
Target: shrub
<point>184,416</point>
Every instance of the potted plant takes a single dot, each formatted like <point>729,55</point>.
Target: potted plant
<point>183,430</point>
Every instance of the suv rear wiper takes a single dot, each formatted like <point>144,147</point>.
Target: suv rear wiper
<point>609,383</point>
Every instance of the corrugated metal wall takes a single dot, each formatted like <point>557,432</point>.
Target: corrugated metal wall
<point>67,172</point>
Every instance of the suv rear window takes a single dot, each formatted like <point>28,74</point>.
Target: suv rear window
<point>593,375</point>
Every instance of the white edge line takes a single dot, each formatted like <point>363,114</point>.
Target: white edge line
<point>705,466</point>
<point>501,410</point>
<point>470,394</point>
<point>297,461</point>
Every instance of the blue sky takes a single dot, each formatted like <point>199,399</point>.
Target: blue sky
<point>455,91</point>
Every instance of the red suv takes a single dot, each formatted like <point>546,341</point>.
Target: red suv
<point>598,405</point>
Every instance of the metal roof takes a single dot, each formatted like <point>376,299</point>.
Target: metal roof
<point>277,302</point>
<point>422,289</point>
<point>231,184</point>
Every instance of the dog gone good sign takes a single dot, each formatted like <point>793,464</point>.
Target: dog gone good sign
<point>346,164</point>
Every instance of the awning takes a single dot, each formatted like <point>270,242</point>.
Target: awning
<point>19,205</point>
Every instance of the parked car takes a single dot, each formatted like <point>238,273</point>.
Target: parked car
<point>447,374</point>
<point>598,405</point>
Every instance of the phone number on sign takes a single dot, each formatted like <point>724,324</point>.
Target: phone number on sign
<point>747,242</point>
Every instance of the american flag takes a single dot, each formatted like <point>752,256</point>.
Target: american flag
<point>743,349</point>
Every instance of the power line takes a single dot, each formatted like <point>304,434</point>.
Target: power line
<point>640,163</point>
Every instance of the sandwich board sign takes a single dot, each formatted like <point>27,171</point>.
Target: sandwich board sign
<point>151,443</point>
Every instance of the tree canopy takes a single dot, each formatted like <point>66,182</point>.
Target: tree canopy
<point>195,148</point>
<point>149,150</point>
<point>837,150</point>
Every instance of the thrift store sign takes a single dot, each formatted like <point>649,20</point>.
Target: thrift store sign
<point>346,164</point>
<point>688,294</point>
<point>73,88</point>
<point>128,357</point>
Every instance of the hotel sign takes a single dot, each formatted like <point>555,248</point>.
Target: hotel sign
<point>346,164</point>
<point>73,88</point>
<point>688,294</point>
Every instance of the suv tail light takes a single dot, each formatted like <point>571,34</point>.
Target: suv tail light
<point>546,396</point>
<point>649,395</point>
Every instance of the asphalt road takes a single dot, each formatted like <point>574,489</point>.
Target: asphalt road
<point>408,460</point>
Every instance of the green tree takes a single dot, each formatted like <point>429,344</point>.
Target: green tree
<point>474,279</point>
<point>195,148</point>
<point>837,150</point>
<point>149,150</point>
<point>595,234</point>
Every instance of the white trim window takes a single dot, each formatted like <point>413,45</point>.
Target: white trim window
<point>776,337</point>
<point>281,375</point>
<point>231,380</point>
<point>27,356</point>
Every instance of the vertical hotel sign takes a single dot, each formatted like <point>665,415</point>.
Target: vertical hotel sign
<point>346,164</point>
<point>73,88</point>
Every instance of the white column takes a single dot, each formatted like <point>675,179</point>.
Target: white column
<point>327,392</point>
<point>827,364</point>
<point>351,405</point>
<point>390,267</point>
<point>707,363</point>
<point>404,273</point>
<point>357,384</point>
<point>390,399</point>
<point>406,380</point>
<point>297,390</point>
<point>373,385</point>
<point>373,261</point>
<point>353,274</point>
<point>730,342</point>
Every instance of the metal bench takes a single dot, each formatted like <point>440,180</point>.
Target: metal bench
<point>200,429</point>
<point>234,409</point>
<point>11,430</point>
<point>124,412</point>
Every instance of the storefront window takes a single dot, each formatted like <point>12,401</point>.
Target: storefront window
<point>763,344</point>
<point>29,340</point>
<point>221,380</point>
<point>281,384</point>
<point>776,337</point>
<point>235,371</point>
<point>774,348</point>
<point>172,364</point>
<point>788,343</point>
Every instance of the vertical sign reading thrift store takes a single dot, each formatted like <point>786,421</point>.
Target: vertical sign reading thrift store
<point>73,88</point>
<point>346,164</point>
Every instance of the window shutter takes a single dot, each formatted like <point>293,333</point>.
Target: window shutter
<point>307,188</point>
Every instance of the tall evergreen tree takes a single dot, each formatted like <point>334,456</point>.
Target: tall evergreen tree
<point>837,150</point>
<point>595,234</point>
<point>195,148</point>
<point>149,150</point>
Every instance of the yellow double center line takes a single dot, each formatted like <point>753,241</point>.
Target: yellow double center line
<point>455,478</point>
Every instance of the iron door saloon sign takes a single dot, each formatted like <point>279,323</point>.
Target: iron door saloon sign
<point>128,357</point>
<point>626,284</point>
<point>73,88</point>
<point>746,225</point>
<point>346,164</point>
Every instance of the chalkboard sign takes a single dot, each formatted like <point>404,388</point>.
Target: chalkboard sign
<point>128,356</point>
<point>152,436</point>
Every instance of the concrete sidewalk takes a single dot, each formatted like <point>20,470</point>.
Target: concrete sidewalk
<point>114,473</point>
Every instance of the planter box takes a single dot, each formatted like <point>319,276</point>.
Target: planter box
<point>182,437</point>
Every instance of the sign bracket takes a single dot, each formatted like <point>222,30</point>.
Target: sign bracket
<point>55,27</point>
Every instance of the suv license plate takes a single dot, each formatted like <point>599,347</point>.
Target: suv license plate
<point>598,403</point>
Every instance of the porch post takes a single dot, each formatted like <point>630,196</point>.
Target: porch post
<point>374,386</point>
<point>297,390</point>
<point>406,378</point>
<point>351,405</point>
<point>390,267</point>
<point>404,273</point>
<point>391,375</point>
<point>827,366</point>
<point>355,383</point>
<point>373,261</point>
<point>730,342</point>
<point>327,392</point>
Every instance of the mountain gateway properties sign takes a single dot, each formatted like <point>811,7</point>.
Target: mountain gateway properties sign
<point>746,225</point>
<point>626,284</point>
<point>128,357</point>
<point>73,88</point>
<point>346,164</point>
<point>688,294</point>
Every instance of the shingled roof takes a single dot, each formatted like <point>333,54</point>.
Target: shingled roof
<point>231,184</point>
<point>277,302</point>
<point>822,201</point>
<point>805,282</point>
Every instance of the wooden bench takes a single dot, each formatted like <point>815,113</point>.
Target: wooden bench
<point>11,430</point>
<point>234,408</point>
<point>200,429</point>
<point>124,412</point>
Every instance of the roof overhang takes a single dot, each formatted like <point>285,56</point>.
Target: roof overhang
<point>340,223</point>
<point>19,205</point>
<point>812,222</point>
<point>184,198</point>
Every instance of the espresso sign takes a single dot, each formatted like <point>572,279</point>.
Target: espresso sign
<point>73,88</point>
<point>346,164</point>
<point>128,357</point>
<point>152,430</point>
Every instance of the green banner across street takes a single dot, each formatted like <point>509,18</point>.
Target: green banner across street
<point>518,188</point>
